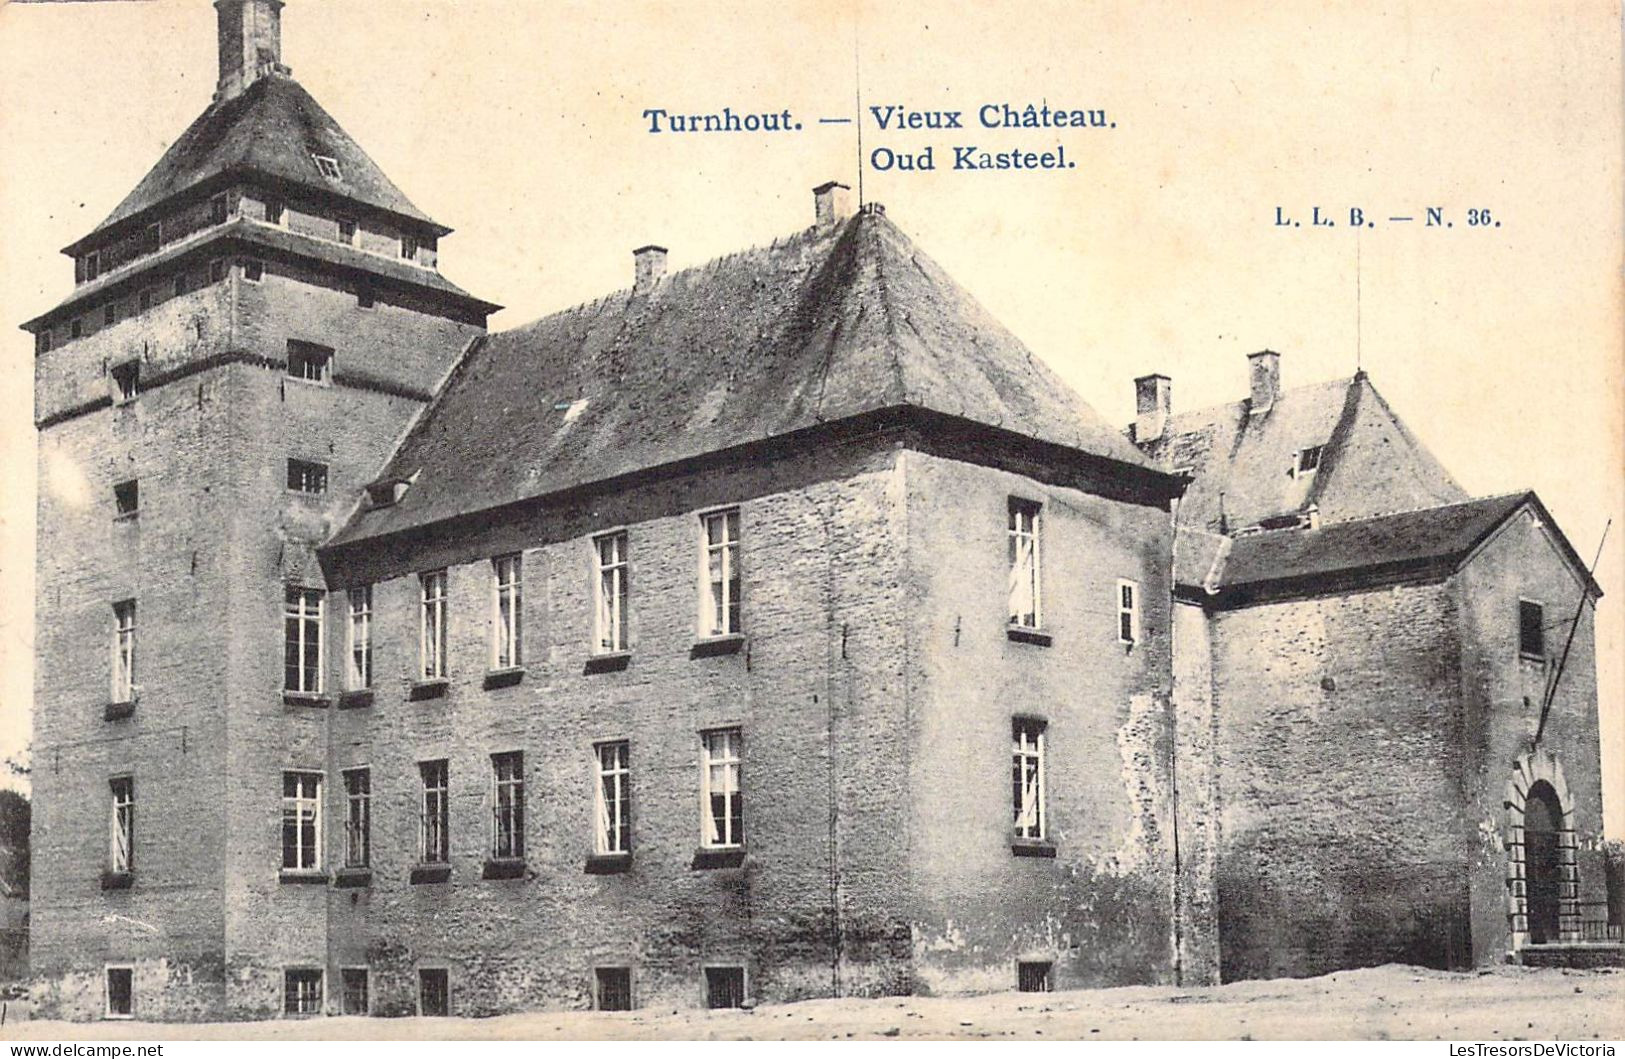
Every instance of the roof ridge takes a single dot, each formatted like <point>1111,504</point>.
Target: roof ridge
<point>1342,381</point>
<point>1430,507</point>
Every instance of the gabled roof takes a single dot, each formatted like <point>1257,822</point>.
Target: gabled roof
<point>1430,540</point>
<point>832,323</point>
<point>272,129</point>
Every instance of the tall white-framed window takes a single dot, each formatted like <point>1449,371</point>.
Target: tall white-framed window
<point>434,839</point>
<point>120,979</point>
<point>301,821</point>
<point>720,595</point>
<point>357,817</point>
<point>121,837</point>
<point>1128,611</point>
<point>358,639</point>
<point>508,805</point>
<point>612,831</point>
<point>722,812</point>
<point>1024,610</point>
<point>302,991</point>
<point>432,625</point>
<point>124,686</point>
<point>302,641</point>
<point>507,597</point>
<point>1027,778</point>
<point>610,593</point>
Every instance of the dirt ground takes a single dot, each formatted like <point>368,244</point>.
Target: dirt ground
<point>1509,1003</point>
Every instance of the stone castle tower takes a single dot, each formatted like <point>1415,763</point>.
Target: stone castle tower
<point>249,333</point>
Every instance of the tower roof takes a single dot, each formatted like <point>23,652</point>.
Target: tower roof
<point>273,129</point>
<point>835,322</point>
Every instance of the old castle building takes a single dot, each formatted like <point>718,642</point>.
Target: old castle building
<point>771,629</point>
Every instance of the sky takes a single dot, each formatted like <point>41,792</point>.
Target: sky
<point>520,124</point>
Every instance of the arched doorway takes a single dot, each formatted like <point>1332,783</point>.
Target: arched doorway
<point>1542,820</point>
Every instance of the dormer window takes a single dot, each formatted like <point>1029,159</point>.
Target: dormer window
<point>126,381</point>
<point>387,491</point>
<point>409,248</point>
<point>328,165</point>
<point>1306,461</point>
<point>347,231</point>
<point>42,342</point>
<point>274,210</point>
<point>92,265</point>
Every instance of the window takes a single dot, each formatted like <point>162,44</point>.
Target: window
<point>409,248</point>
<point>1306,461</point>
<point>124,686</point>
<point>328,165</point>
<point>507,594</point>
<point>144,300</point>
<point>302,641</point>
<point>151,238</point>
<point>723,822</point>
<point>508,805</point>
<point>358,640</point>
<point>434,991</point>
<point>721,602</point>
<point>76,328</point>
<point>613,830</point>
<point>121,844</point>
<point>364,297</point>
<point>354,983</point>
<point>127,499</point>
<point>347,231</point>
<point>120,992</point>
<point>301,821</point>
<point>302,991</point>
<point>1027,778</point>
<point>126,381</point>
<point>180,284</point>
<point>217,210</point>
<point>1531,629</point>
<point>1128,612</point>
<point>93,265</point>
<point>217,270</point>
<point>610,592</point>
<point>253,269</point>
<point>357,818</point>
<point>613,988</point>
<point>274,211</point>
<point>42,342</point>
<point>724,987</point>
<point>433,836</point>
<point>1033,976</point>
<point>109,314</point>
<point>432,626</point>
<point>307,476</point>
<point>309,361</point>
<point>1024,576</point>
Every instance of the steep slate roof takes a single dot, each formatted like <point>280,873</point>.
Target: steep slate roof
<point>1410,541</point>
<point>272,129</point>
<point>1240,461</point>
<point>831,323</point>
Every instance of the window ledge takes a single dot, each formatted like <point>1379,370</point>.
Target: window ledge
<point>608,863</point>
<point>1024,634</point>
<point>354,700</point>
<point>504,678</point>
<point>117,880</point>
<point>1525,656</point>
<point>349,877</point>
<point>430,873</point>
<point>306,698</point>
<point>609,662</point>
<point>504,868</point>
<point>428,689</point>
<point>712,646</point>
<point>718,857</point>
<point>114,711</point>
<point>1032,847</point>
<point>297,875</point>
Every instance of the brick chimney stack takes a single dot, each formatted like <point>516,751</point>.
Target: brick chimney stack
<point>649,264</point>
<point>1264,370</point>
<point>832,203</point>
<point>1153,404</point>
<point>250,34</point>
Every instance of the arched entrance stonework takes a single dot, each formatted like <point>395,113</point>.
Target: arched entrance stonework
<point>1540,774</point>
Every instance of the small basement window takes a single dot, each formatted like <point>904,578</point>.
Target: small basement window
<point>309,361</point>
<point>1034,976</point>
<point>724,987</point>
<point>1531,629</point>
<point>613,988</point>
<point>306,476</point>
<point>126,381</point>
<point>434,991</point>
<point>1306,461</point>
<point>121,992</point>
<point>127,498</point>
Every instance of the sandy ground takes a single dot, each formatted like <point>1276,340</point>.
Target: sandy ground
<point>1380,1003</point>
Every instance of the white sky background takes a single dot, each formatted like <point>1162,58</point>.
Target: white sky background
<point>518,124</point>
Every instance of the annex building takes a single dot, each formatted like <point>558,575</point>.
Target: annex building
<point>772,629</point>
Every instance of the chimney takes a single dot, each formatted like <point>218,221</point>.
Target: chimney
<point>649,265</point>
<point>1264,370</point>
<point>832,202</point>
<point>1153,403</point>
<point>250,33</point>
